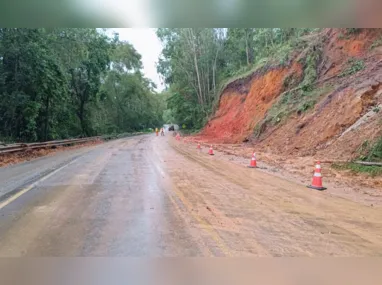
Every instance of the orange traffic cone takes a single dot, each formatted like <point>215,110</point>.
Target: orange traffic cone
<point>211,151</point>
<point>199,147</point>
<point>317,178</point>
<point>253,161</point>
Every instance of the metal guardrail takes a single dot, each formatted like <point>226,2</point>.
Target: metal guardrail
<point>28,146</point>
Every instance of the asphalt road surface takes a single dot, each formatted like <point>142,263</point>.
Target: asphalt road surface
<point>151,196</point>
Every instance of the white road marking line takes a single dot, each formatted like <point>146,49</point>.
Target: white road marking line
<point>25,190</point>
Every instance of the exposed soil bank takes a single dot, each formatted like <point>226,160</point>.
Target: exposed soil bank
<point>335,128</point>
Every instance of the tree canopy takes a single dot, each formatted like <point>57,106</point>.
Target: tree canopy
<point>61,83</point>
<point>195,62</point>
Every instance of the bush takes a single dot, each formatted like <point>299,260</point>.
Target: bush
<point>376,43</point>
<point>354,65</point>
<point>296,101</point>
<point>282,53</point>
<point>358,168</point>
<point>306,106</point>
<point>353,31</point>
<point>370,152</point>
<point>375,152</point>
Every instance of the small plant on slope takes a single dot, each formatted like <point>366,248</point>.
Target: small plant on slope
<point>375,153</point>
<point>376,43</point>
<point>354,65</point>
<point>367,152</point>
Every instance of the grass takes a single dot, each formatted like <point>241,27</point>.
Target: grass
<point>242,73</point>
<point>353,30</point>
<point>299,101</point>
<point>368,152</point>
<point>354,65</point>
<point>310,67</point>
<point>375,151</point>
<point>373,171</point>
<point>349,33</point>
<point>291,81</point>
<point>6,140</point>
<point>376,43</point>
<point>279,55</point>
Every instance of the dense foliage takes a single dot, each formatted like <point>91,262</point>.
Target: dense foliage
<point>60,83</point>
<point>195,63</point>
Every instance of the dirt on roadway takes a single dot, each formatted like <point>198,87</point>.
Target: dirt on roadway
<point>27,155</point>
<point>154,196</point>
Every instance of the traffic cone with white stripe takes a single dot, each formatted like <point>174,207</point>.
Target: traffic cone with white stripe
<point>317,178</point>
<point>253,163</point>
<point>211,151</point>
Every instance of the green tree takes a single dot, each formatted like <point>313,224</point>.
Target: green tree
<point>32,81</point>
<point>85,79</point>
<point>60,83</point>
<point>195,61</point>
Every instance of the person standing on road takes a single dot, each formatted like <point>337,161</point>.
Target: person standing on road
<point>156,131</point>
<point>162,131</point>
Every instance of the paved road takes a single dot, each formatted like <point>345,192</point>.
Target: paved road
<point>152,196</point>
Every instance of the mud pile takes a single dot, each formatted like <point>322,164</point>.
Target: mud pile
<point>338,124</point>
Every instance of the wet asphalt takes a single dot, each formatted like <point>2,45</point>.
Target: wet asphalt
<point>106,201</point>
<point>149,196</point>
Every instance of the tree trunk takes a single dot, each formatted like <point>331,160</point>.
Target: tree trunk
<point>213,79</point>
<point>271,33</point>
<point>214,68</point>
<point>196,67</point>
<point>81,116</point>
<point>208,81</point>
<point>46,118</point>
<point>246,47</point>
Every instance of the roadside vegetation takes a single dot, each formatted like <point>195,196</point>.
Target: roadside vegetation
<point>376,43</point>
<point>301,94</point>
<point>370,152</point>
<point>353,66</point>
<point>296,102</point>
<point>63,83</point>
<point>197,64</point>
<point>373,171</point>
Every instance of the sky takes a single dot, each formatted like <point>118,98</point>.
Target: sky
<point>148,45</point>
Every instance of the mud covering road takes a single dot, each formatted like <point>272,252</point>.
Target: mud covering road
<point>151,196</point>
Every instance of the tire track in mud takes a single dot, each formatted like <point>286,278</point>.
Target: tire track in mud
<point>338,231</point>
<point>185,209</point>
